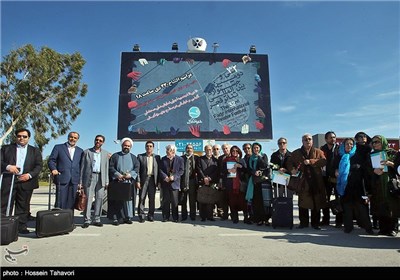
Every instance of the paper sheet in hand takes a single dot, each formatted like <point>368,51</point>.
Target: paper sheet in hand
<point>376,159</point>
<point>231,165</point>
<point>280,178</point>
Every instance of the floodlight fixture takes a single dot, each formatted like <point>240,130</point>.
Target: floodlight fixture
<point>253,49</point>
<point>136,48</point>
<point>175,47</point>
<point>215,46</point>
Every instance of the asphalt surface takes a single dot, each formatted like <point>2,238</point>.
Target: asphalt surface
<point>196,244</point>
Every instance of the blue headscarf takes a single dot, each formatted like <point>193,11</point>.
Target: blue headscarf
<point>344,167</point>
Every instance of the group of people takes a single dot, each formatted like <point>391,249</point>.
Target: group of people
<point>236,176</point>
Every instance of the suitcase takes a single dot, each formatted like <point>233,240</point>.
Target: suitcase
<point>266,189</point>
<point>54,221</point>
<point>282,210</point>
<point>9,224</point>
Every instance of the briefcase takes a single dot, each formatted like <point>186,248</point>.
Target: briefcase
<point>54,221</point>
<point>119,191</point>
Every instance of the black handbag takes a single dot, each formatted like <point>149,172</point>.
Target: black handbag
<point>394,187</point>
<point>296,183</point>
<point>119,190</point>
<point>336,206</point>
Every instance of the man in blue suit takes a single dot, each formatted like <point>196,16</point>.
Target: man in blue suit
<point>65,165</point>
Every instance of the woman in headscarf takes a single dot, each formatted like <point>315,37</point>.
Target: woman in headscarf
<point>387,207</point>
<point>231,172</point>
<point>350,173</point>
<point>258,167</point>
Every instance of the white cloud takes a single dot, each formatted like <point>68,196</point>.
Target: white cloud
<point>286,109</point>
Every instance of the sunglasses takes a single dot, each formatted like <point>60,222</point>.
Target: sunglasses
<point>280,143</point>
<point>22,136</point>
<point>99,140</point>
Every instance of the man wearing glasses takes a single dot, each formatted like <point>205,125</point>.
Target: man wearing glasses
<point>25,162</point>
<point>280,160</point>
<point>65,165</point>
<point>94,179</point>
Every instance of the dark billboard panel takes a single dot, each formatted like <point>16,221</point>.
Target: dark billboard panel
<point>167,96</point>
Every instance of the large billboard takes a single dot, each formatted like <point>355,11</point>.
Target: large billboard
<point>173,95</point>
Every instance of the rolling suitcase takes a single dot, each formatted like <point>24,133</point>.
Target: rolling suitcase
<point>54,221</point>
<point>282,210</point>
<point>266,189</point>
<point>9,224</point>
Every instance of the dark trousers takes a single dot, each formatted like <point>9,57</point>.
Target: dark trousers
<point>148,189</point>
<point>192,195</point>
<point>351,207</point>
<point>65,195</point>
<point>170,203</point>
<point>304,217</point>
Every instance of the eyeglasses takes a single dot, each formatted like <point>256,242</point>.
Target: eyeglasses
<point>99,140</point>
<point>280,143</point>
<point>376,142</point>
<point>22,136</point>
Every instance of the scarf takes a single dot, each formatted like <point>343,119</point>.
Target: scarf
<point>344,168</point>
<point>236,180</point>
<point>250,186</point>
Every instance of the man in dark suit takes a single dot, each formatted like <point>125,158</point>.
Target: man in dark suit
<point>171,170</point>
<point>65,165</point>
<point>147,181</point>
<point>25,162</point>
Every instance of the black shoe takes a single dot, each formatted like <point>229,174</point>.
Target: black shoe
<point>175,221</point>
<point>211,219</point>
<point>23,231</point>
<point>338,225</point>
<point>128,221</point>
<point>369,231</point>
<point>115,223</point>
<point>141,220</point>
<point>184,219</point>
<point>203,219</point>
<point>165,220</point>
<point>317,228</point>
<point>150,218</point>
<point>85,225</point>
<point>193,218</point>
<point>235,221</point>
<point>346,230</point>
<point>97,224</point>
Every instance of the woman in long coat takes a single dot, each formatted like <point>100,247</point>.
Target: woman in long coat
<point>309,161</point>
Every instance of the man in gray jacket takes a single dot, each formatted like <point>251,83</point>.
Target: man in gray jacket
<point>94,179</point>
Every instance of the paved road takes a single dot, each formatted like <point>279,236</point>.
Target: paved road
<point>199,244</point>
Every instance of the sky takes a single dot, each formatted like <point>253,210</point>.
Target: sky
<point>332,65</point>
